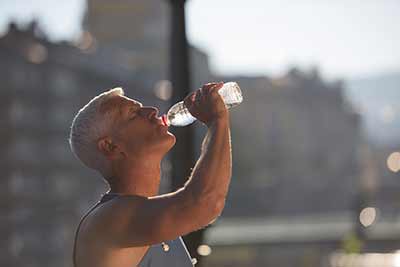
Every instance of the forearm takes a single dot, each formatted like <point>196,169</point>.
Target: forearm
<point>211,175</point>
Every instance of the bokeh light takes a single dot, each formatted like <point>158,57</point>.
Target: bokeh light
<point>368,216</point>
<point>365,260</point>
<point>388,114</point>
<point>204,250</point>
<point>87,43</point>
<point>396,259</point>
<point>37,53</point>
<point>393,162</point>
<point>163,90</point>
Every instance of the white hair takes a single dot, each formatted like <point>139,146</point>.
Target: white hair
<point>90,124</point>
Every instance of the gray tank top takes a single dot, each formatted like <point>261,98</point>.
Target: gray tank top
<point>169,253</point>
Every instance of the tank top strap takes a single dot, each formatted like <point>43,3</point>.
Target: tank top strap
<point>104,198</point>
<point>107,196</point>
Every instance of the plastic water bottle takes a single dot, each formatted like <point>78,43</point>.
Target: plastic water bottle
<point>179,115</point>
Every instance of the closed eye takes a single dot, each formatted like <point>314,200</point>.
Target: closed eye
<point>133,115</point>
<point>133,111</point>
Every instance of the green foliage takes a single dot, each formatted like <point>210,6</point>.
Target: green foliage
<point>352,243</point>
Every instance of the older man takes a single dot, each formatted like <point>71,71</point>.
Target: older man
<point>125,141</point>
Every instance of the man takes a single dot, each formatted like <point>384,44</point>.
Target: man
<point>126,141</point>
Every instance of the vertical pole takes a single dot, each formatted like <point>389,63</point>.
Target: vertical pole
<point>183,151</point>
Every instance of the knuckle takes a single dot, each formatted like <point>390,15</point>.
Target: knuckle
<point>208,85</point>
<point>205,86</point>
<point>189,95</point>
<point>188,100</point>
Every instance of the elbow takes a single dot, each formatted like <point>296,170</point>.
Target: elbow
<point>219,207</point>
<point>216,210</point>
<point>208,212</point>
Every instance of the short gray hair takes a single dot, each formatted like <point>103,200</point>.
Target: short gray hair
<point>90,124</point>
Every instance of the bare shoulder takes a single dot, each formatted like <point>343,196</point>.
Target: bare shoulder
<point>95,247</point>
<point>111,217</point>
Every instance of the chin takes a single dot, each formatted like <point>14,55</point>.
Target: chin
<point>168,141</point>
<point>172,140</point>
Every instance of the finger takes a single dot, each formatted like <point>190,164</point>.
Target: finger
<point>187,102</point>
<point>198,97</point>
<point>189,99</point>
<point>208,85</point>
<point>217,86</point>
<point>207,90</point>
<point>203,96</point>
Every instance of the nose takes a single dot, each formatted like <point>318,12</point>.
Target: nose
<point>149,112</point>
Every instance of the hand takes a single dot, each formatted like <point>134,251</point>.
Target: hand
<point>206,104</point>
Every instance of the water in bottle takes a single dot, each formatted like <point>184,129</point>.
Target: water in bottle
<point>179,115</point>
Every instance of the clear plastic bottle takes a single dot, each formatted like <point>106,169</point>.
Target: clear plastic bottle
<point>179,115</point>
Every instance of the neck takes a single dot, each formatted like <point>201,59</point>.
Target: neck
<point>136,177</point>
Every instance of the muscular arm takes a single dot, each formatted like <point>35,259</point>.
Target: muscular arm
<point>211,175</point>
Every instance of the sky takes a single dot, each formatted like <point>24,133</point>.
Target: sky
<point>343,38</point>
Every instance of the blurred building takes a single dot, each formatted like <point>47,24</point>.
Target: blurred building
<point>45,189</point>
<point>296,147</point>
<point>141,29</point>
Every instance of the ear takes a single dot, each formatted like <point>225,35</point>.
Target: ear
<point>108,148</point>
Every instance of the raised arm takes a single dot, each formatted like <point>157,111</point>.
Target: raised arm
<point>139,221</point>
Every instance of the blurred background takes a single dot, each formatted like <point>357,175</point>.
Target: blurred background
<point>316,147</point>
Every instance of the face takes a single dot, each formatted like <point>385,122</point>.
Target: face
<point>138,130</point>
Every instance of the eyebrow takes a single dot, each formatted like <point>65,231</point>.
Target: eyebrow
<point>131,107</point>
